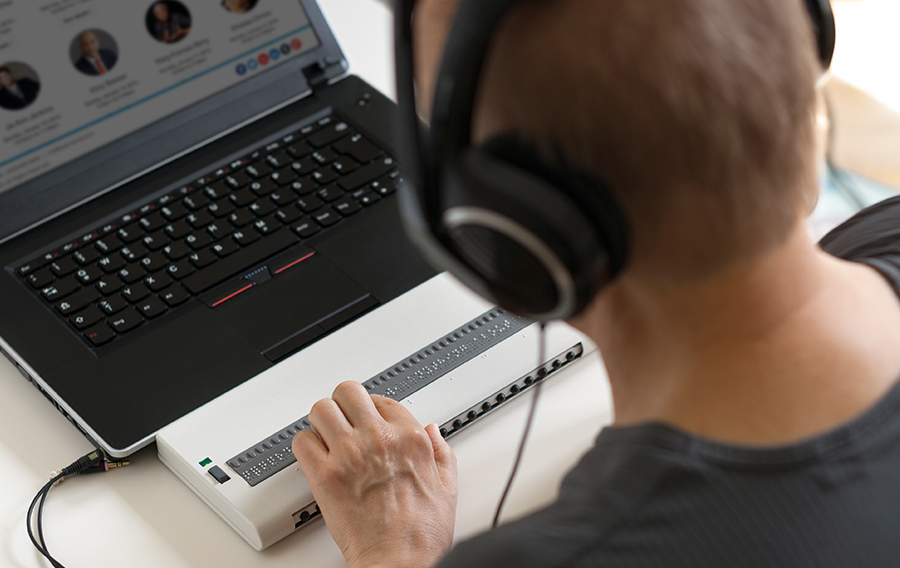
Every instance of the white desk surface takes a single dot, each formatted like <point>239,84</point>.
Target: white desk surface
<point>143,516</point>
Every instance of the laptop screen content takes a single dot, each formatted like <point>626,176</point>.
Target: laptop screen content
<point>78,74</point>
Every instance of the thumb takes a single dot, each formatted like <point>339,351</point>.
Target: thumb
<point>443,453</point>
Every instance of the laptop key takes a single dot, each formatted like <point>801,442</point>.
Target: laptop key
<point>283,196</point>
<point>154,261</point>
<point>77,301</point>
<point>180,269</point>
<point>158,281</point>
<point>196,201</point>
<point>309,203</point>
<point>306,227</point>
<point>60,289</point>
<point>258,170</point>
<point>263,187</point>
<point>87,317</point>
<point>112,304</point>
<point>40,278</point>
<point>361,149</point>
<point>198,240</point>
<point>326,217</point>
<point>219,229</point>
<point>329,134</point>
<point>88,274</point>
<point>244,258</point>
<point>156,241</point>
<point>245,237</point>
<point>174,295</point>
<point>177,230</point>
<point>131,273</point>
<point>126,320</point>
<point>324,156</point>
<point>133,252</point>
<point>262,207</point>
<point>299,149</point>
<point>324,175</point>
<point>203,258</point>
<point>99,334</point>
<point>63,266</point>
<point>330,193</point>
<point>200,219</point>
<point>151,307</point>
<point>224,248</point>
<point>108,284</point>
<point>346,206</point>
<point>108,244</point>
<point>366,173</point>
<point>86,256</point>
<point>131,232</point>
<point>288,214</point>
<point>29,267</point>
<point>221,207</point>
<point>267,225</point>
<point>242,197</point>
<point>238,179</point>
<point>178,209</point>
<point>152,222</point>
<point>111,263</point>
<point>135,292</point>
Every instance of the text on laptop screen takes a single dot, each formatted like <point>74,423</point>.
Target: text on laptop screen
<point>78,74</point>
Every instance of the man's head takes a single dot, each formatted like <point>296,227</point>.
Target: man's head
<point>699,113</point>
<point>89,44</point>
<point>161,12</point>
<point>6,77</point>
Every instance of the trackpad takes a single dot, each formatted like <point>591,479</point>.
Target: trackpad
<point>303,298</point>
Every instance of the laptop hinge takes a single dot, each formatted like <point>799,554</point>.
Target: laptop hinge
<point>316,75</point>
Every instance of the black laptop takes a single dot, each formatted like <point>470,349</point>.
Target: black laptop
<point>190,192</point>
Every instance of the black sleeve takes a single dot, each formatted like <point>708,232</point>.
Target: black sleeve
<point>872,237</point>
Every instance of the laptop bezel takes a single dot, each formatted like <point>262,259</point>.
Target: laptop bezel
<point>64,188</point>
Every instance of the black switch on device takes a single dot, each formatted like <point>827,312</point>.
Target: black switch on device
<point>217,473</point>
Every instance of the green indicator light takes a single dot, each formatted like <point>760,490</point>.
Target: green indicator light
<point>205,462</point>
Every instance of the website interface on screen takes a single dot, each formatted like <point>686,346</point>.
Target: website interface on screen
<point>78,74</point>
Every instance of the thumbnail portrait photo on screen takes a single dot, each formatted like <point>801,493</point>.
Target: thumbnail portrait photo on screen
<point>94,52</point>
<point>168,21</point>
<point>239,6</point>
<point>19,85</point>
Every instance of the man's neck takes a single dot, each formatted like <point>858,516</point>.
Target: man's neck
<point>769,351</point>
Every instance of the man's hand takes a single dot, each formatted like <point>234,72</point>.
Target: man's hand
<point>385,485</point>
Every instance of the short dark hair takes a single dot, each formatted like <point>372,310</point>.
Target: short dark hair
<point>706,102</point>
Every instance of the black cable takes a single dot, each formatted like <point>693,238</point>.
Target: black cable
<point>528,422</point>
<point>94,462</point>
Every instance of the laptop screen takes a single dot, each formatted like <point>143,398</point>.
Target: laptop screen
<point>78,74</point>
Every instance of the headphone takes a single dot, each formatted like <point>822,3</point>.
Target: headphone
<point>535,238</point>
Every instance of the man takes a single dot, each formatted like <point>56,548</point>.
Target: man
<point>16,94</point>
<point>169,27</point>
<point>94,60</point>
<point>754,376</point>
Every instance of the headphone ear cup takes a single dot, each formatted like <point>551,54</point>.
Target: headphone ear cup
<point>824,27</point>
<point>534,250</point>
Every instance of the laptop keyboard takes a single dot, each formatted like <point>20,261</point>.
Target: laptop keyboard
<point>123,274</point>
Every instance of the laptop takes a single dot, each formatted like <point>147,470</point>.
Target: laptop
<point>190,192</point>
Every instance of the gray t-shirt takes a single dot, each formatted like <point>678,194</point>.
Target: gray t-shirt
<point>653,496</point>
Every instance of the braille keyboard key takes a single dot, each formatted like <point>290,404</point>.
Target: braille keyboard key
<point>306,227</point>
<point>174,295</point>
<point>40,278</point>
<point>329,134</point>
<point>60,289</point>
<point>361,149</point>
<point>77,301</point>
<point>112,304</point>
<point>99,334</point>
<point>133,252</point>
<point>224,248</point>
<point>346,206</point>
<point>108,244</point>
<point>180,269</point>
<point>86,317</point>
<point>88,274</point>
<point>135,292</point>
<point>244,258</point>
<point>246,236</point>
<point>366,174</point>
<point>108,284</point>
<point>326,217</point>
<point>158,281</point>
<point>126,320</point>
<point>131,273</point>
<point>151,307</point>
<point>131,232</point>
<point>111,263</point>
<point>86,255</point>
<point>63,266</point>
